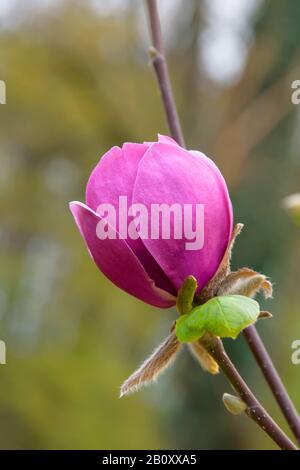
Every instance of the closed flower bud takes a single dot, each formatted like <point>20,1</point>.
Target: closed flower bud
<point>234,404</point>
<point>149,265</point>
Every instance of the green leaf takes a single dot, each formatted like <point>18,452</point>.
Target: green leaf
<point>224,316</point>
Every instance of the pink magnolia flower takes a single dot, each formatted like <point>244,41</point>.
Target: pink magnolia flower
<point>153,269</point>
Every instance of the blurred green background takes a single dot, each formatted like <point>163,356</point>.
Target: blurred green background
<point>78,82</point>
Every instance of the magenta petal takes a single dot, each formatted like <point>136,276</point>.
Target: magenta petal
<point>169,174</point>
<point>115,176</point>
<point>117,261</point>
<point>165,139</point>
<point>219,177</point>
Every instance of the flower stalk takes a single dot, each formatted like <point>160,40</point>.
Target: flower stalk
<point>159,63</point>
<point>254,409</point>
<point>272,377</point>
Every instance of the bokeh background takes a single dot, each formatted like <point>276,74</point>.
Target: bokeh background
<point>78,81</point>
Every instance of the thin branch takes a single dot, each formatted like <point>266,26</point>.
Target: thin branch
<point>162,74</point>
<point>255,410</point>
<point>272,377</point>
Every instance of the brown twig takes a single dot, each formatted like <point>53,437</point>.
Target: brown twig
<point>255,410</point>
<point>162,74</point>
<point>272,377</point>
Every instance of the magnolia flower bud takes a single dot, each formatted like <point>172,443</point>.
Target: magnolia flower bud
<point>150,265</point>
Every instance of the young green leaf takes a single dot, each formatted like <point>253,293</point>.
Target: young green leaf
<point>224,316</point>
<point>186,333</point>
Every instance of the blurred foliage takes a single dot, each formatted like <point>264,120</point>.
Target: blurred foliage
<point>77,83</point>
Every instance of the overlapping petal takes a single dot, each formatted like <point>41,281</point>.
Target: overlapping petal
<point>114,176</point>
<point>169,174</point>
<point>117,261</point>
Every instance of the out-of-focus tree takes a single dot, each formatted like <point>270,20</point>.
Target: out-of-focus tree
<point>78,82</point>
